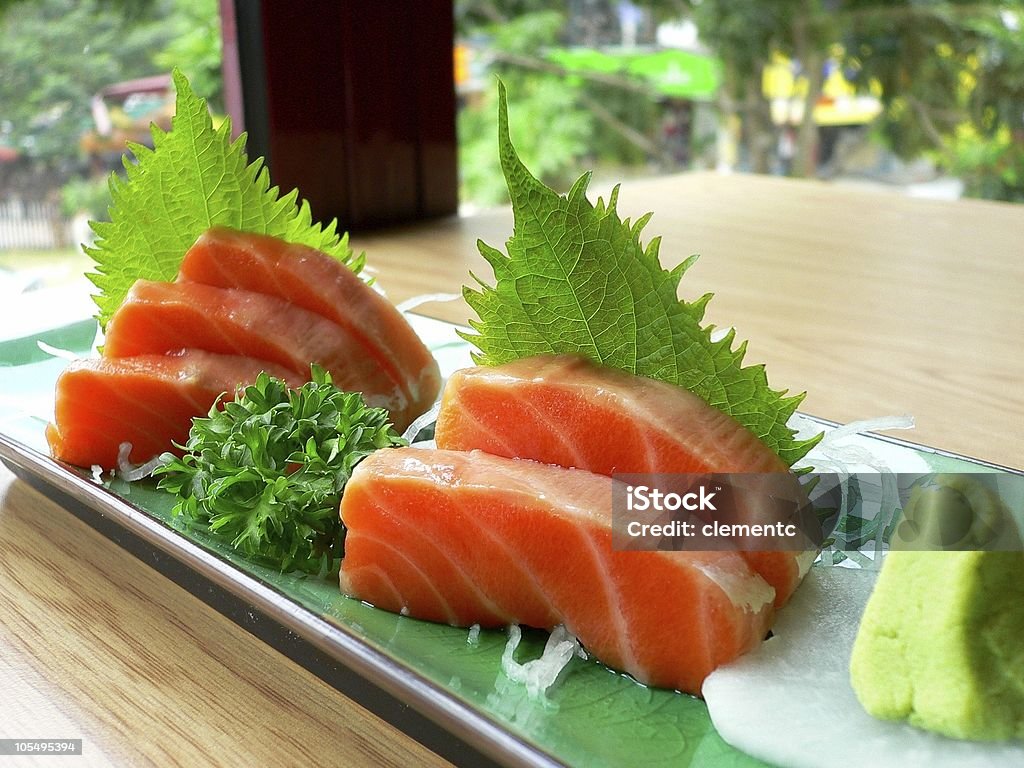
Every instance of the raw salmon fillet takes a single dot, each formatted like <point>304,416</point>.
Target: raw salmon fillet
<point>566,410</point>
<point>160,318</point>
<point>148,401</point>
<point>471,538</point>
<point>321,284</point>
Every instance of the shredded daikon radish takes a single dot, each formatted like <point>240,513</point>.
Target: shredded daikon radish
<point>426,298</point>
<point>63,354</point>
<point>835,453</point>
<point>132,472</point>
<point>474,635</point>
<point>846,452</point>
<point>539,674</point>
<point>97,474</point>
<point>420,422</point>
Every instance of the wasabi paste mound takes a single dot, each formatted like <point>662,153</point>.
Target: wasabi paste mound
<point>941,644</point>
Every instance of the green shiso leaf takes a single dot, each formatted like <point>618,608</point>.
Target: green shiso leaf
<point>265,472</point>
<point>576,279</point>
<point>195,177</point>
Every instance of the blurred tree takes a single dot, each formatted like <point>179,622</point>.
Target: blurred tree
<point>745,34</point>
<point>951,76</point>
<point>57,54</point>
<point>952,81</point>
<point>550,129</point>
<point>194,46</point>
<point>560,121</point>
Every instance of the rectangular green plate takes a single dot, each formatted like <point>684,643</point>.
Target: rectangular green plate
<point>593,716</point>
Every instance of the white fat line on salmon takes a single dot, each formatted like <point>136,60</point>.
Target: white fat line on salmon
<point>496,436</point>
<point>650,454</point>
<point>345,580</point>
<point>750,591</point>
<point>579,460</point>
<point>616,603</point>
<point>482,597</point>
<point>647,414</point>
<point>414,569</point>
<point>529,578</point>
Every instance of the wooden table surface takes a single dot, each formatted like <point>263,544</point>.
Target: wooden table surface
<point>873,303</point>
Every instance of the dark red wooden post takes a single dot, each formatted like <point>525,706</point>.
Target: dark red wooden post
<point>352,102</point>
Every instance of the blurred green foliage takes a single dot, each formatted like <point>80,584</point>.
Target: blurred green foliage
<point>88,195</point>
<point>950,73</point>
<point>194,46</point>
<point>551,131</point>
<point>57,54</point>
<point>561,122</point>
<point>952,78</point>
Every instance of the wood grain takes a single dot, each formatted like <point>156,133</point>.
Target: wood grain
<point>875,304</point>
<point>95,645</point>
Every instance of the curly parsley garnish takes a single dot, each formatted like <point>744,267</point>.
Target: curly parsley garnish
<point>265,472</point>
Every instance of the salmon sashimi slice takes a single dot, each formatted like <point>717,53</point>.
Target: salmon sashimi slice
<point>470,538</point>
<point>319,283</point>
<point>566,410</point>
<point>148,401</point>
<point>158,318</point>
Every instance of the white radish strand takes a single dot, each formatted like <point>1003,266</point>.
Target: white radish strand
<point>426,298</point>
<point>131,472</point>
<point>52,351</point>
<point>832,451</point>
<point>879,424</point>
<point>540,674</point>
<point>420,422</point>
<point>839,454</point>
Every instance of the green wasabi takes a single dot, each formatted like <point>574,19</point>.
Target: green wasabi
<point>941,644</point>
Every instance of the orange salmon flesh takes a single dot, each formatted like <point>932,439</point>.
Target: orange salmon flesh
<point>148,401</point>
<point>471,538</point>
<point>242,303</point>
<point>378,332</point>
<point>566,410</point>
<point>161,318</point>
